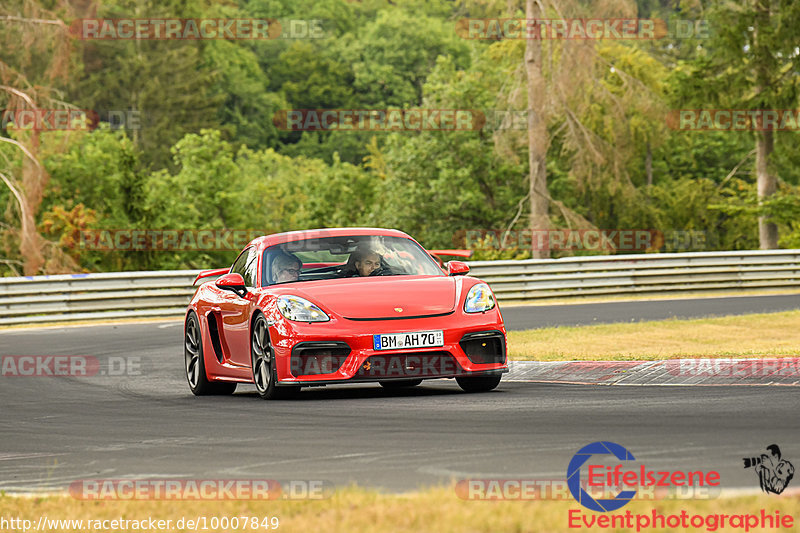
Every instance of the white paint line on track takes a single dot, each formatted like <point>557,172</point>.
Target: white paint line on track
<point>89,324</point>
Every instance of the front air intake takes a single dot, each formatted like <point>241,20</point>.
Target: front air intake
<point>314,358</point>
<point>484,347</point>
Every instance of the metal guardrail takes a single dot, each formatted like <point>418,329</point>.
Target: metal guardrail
<point>645,274</point>
<point>39,299</point>
<point>72,297</point>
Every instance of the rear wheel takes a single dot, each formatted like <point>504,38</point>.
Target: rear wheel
<point>265,375</point>
<point>400,383</point>
<point>478,384</point>
<point>195,363</point>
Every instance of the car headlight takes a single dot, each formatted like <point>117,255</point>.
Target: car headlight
<point>300,309</point>
<point>479,299</point>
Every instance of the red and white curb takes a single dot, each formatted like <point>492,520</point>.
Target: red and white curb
<point>753,371</point>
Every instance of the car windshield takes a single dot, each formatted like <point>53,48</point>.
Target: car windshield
<point>346,257</point>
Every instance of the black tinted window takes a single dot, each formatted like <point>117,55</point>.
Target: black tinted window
<point>241,262</point>
<point>250,269</point>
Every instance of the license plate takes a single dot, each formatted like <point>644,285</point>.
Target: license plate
<point>416,339</point>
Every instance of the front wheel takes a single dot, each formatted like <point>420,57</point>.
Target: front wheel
<point>195,363</point>
<point>265,375</point>
<point>478,384</point>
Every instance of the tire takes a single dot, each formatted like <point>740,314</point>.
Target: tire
<point>265,375</point>
<point>195,365</point>
<point>400,383</point>
<point>478,384</point>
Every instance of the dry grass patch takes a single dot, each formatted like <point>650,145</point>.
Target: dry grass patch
<point>768,334</point>
<point>359,510</point>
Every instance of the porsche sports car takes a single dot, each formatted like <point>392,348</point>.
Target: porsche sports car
<point>348,305</point>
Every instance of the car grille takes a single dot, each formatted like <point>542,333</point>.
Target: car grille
<point>409,365</point>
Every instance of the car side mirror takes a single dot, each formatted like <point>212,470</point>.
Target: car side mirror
<point>232,282</point>
<point>457,268</point>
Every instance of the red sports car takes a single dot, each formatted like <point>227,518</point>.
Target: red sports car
<point>349,305</point>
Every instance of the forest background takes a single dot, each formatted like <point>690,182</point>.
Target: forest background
<point>185,134</point>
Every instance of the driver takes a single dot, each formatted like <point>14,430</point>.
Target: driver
<point>366,262</point>
<point>363,262</point>
<point>285,267</point>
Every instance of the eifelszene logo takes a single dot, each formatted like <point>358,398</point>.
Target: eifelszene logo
<point>600,475</point>
<point>774,473</point>
<point>574,476</point>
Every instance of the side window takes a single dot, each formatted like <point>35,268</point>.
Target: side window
<point>241,261</point>
<point>251,269</point>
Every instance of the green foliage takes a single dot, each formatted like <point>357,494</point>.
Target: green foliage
<point>496,250</point>
<point>436,185</point>
<point>207,154</point>
<point>204,192</point>
<point>167,83</point>
<point>750,62</point>
<point>312,78</point>
<point>248,108</point>
<point>391,56</point>
<point>740,202</point>
<point>99,169</point>
<point>259,191</point>
<point>341,195</point>
<point>96,181</point>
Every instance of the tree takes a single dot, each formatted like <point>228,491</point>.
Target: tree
<point>439,184</point>
<point>750,62</point>
<point>247,106</point>
<point>591,105</point>
<point>537,130</point>
<point>34,54</point>
<point>391,56</point>
<point>167,83</point>
<point>96,182</point>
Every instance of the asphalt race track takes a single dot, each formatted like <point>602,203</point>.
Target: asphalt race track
<point>526,317</point>
<point>144,423</point>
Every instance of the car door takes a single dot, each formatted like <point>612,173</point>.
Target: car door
<point>235,310</point>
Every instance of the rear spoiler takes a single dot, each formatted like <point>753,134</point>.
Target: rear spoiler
<point>436,254</point>
<point>210,273</point>
<point>454,253</point>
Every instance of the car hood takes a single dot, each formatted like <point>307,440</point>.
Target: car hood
<point>382,297</point>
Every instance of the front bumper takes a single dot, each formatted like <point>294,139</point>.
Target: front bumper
<point>343,351</point>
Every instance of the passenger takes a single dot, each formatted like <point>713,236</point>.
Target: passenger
<point>285,268</point>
